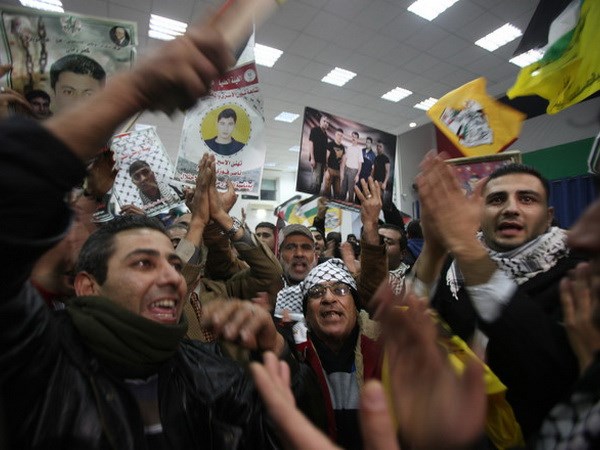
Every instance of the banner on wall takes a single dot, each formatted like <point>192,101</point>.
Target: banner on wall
<point>229,122</point>
<point>45,48</point>
<point>145,173</point>
<point>335,153</point>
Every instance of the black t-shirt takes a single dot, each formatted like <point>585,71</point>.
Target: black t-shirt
<point>319,140</point>
<point>379,167</point>
<point>336,151</point>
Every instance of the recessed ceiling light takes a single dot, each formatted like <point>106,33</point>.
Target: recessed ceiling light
<point>338,76</point>
<point>164,28</point>
<point>396,94</point>
<point>430,9</point>
<point>286,117</point>
<point>496,39</point>
<point>426,104</point>
<point>266,56</point>
<point>529,57</point>
<point>412,124</point>
<point>295,148</point>
<point>46,5</point>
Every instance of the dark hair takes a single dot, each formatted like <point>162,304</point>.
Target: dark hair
<point>35,93</point>
<point>80,64</point>
<point>317,230</point>
<point>340,130</point>
<point>99,247</point>
<point>402,240</point>
<point>413,229</point>
<point>369,138</point>
<point>516,168</point>
<point>137,165</point>
<point>265,225</point>
<point>355,133</point>
<point>226,114</point>
<point>335,236</point>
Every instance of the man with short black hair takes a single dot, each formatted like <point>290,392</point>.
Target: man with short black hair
<point>394,239</point>
<point>40,103</point>
<point>317,151</point>
<point>224,143</point>
<point>73,77</point>
<point>265,231</point>
<point>501,281</point>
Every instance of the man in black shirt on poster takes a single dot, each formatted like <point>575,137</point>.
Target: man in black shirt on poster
<point>381,171</point>
<point>317,150</point>
<point>335,154</point>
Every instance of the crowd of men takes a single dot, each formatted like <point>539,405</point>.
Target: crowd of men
<point>126,335</point>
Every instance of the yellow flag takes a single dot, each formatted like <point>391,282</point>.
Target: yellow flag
<point>574,75</point>
<point>474,122</point>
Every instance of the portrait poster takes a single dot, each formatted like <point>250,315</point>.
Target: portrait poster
<point>470,170</point>
<point>229,123</point>
<point>145,173</point>
<point>36,42</point>
<point>333,141</point>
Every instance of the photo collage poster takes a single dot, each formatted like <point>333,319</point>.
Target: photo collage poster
<point>330,143</point>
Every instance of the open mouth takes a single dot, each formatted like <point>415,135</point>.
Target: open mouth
<point>510,228</point>
<point>331,315</point>
<point>164,310</point>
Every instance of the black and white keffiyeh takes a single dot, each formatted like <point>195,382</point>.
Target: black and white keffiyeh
<point>522,263</point>
<point>291,297</point>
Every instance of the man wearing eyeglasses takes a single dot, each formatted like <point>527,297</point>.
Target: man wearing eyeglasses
<point>341,346</point>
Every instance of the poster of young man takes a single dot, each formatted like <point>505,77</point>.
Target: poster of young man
<point>145,173</point>
<point>68,56</point>
<point>335,153</point>
<point>229,123</point>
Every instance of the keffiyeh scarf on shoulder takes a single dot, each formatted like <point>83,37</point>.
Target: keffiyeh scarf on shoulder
<point>522,263</point>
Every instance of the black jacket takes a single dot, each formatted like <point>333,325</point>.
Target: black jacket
<point>528,347</point>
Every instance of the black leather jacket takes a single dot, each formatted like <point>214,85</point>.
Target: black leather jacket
<point>57,395</point>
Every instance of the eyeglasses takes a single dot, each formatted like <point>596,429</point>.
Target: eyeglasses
<point>338,289</point>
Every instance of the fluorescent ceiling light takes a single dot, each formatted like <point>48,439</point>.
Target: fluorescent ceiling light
<point>430,9</point>
<point>396,94</point>
<point>426,104</point>
<point>529,57</point>
<point>270,164</point>
<point>266,56</point>
<point>46,5</point>
<point>338,76</point>
<point>496,39</point>
<point>165,29</point>
<point>412,124</point>
<point>286,117</point>
<point>295,148</point>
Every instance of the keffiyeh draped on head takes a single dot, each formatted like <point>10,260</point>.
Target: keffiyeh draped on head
<point>522,263</point>
<point>291,297</point>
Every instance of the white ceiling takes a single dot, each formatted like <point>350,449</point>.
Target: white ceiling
<point>386,45</point>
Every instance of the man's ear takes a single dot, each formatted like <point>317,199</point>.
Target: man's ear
<point>85,284</point>
<point>550,216</point>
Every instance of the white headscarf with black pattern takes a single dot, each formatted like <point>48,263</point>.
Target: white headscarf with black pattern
<point>291,297</point>
<point>522,263</point>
